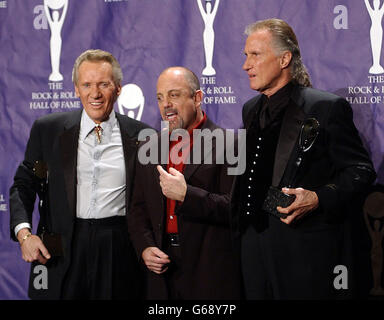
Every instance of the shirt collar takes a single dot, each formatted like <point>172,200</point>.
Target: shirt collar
<point>199,125</point>
<point>87,125</point>
<point>279,95</point>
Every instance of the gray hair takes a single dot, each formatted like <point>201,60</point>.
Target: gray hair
<point>98,55</point>
<point>284,39</point>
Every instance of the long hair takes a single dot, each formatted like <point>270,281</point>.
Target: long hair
<point>284,39</point>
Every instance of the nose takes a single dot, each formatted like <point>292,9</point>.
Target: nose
<point>246,64</point>
<point>95,92</point>
<point>165,103</point>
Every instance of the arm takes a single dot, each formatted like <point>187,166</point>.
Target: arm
<point>369,8</point>
<point>47,15</point>
<point>195,201</point>
<point>353,170</point>
<point>24,189</point>
<point>22,199</point>
<point>215,8</point>
<point>353,167</point>
<point>202,11</point>
<point>139,224</point>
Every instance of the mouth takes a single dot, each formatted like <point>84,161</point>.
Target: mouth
<point>250,76</point>
<point>170,115</point>
<point>96,104</point>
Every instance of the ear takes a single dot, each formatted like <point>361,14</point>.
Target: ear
<point>77,91</point>
<point>198,98</point>
<point>285,59</point>
<point>118,89</point>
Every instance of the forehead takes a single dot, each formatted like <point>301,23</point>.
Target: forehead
<point>172,80</point>
<point>259,39</point>
<point>95,70</point>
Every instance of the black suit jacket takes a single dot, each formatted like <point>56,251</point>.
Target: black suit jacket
<point>54,140</point>
<point>337,167</point>
<point>209,267</point>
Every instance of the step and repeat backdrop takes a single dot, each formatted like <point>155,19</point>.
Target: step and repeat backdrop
<point>340,40</point>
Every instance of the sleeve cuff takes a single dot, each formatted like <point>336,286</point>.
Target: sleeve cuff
<point>21,226</point>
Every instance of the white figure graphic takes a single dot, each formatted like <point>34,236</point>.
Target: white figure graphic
<point>208,34</point>
<point>376,33</point>
<point>132,99</point>
<point>55,23</point>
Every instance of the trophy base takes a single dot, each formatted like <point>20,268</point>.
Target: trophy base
<point>55,77</point>
<point>376,69</point>
<point>275,197</point>
<point>209,71</point>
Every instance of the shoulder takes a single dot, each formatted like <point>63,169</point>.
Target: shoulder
<point>314,101</point>
<point>311,94</point>
<point>250,105</point>
<point>131,126</point>
<point>58,119</point>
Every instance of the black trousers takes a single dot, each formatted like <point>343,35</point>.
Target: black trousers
<point>283,263</point>
<point>103,263</point>
<point>174,274</point>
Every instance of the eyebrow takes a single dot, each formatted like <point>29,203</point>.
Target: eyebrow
<point>170,91</point>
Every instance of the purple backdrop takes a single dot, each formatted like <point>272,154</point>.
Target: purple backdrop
<point>147,36</point>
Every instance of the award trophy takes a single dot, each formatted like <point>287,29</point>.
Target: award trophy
<point>208,14</point>
<point>275,197</point>
<point>376,33</point>
<point>52,241</point>
<point>55,22</point>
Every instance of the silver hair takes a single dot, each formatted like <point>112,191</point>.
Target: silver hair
<point>284,39</point>
<point>98,55</point>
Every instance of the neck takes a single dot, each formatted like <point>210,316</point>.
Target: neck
<point>199,117</point>
<point>281,82</point>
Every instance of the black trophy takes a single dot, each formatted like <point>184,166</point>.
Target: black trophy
<point>52,241</point>
<point>275,197</point>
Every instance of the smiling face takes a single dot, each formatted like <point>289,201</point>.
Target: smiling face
<point>96,89</point>
<point>267,70</point>
<point>176,102</point>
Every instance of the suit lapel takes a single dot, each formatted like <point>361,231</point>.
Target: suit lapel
<point>129,145</point>
<point>191,168</point>
<point>289,133</point>
<point>248,118</point>
<point>69,140</point>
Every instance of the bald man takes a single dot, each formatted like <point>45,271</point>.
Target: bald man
<point>179,221</point>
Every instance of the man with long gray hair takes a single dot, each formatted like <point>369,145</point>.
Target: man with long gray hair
<point>305,165</point>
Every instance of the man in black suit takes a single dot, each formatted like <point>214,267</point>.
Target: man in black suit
<point>180,215</point>
<point>89,159</point>
<point>294,256</point>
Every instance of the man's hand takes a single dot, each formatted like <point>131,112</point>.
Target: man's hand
<point>172,184</point>
<point>305,201</point>
<point>155,260</point>
<point>32,248</point>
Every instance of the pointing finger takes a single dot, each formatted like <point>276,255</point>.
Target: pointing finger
<point>161,170</point>
<point>174,172</point>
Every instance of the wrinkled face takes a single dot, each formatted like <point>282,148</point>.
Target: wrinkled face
<point>176,103</point>
<point>263,65</point>
<point>96,89</point>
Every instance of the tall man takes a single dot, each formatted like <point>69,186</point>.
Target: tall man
<point>294,256</point>
<point>89,155</point>
<point>180,219</point>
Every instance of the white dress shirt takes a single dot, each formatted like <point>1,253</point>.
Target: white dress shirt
<point>101,181</point>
